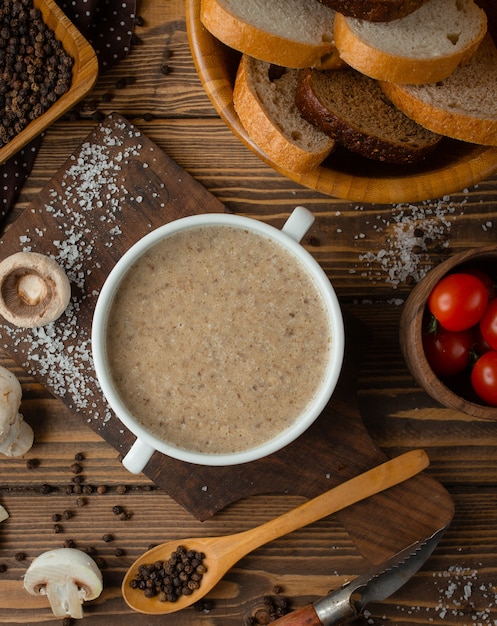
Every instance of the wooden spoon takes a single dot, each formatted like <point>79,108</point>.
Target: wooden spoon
<point>221,553</point>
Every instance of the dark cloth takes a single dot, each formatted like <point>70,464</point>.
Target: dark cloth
<point>108,26</point>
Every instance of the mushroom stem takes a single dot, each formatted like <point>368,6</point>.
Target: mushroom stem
<point>65,598</point>
<point>19,440</point>
<point>31,289</point>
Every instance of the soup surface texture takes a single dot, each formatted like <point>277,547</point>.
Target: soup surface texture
<point>217,339</point>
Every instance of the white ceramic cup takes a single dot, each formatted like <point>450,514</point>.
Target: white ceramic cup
<point>289,237</point>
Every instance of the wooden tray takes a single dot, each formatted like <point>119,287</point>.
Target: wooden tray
<point>85,72</point>
<point>112,191</point>
<point>453,167</point>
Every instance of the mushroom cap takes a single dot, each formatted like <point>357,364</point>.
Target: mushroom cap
<point>34,289</point>
<point>16,436</point>
<point>10,398</point>
<point>68,563</point>
<point>68,577</point>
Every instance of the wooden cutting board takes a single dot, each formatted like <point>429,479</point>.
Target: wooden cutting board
<point>114,189</point>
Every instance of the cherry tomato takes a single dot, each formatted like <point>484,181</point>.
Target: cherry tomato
<point>458,301</point>
<point>448,352</point>
<point>484,377</point>
<point>488,324</point>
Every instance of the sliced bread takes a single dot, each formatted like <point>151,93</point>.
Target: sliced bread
<point>352,108</point>
<point>464,106</point>
<point>374,10</point>
<point>289,33</point>
<point>264,99</point>
<point>423,47</point>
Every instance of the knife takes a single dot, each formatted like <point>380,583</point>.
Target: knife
<point>349,601</point>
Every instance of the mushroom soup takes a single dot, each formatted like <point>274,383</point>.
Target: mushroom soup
<point>218,339</point>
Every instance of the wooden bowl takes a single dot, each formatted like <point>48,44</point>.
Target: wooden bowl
<point>84,75</point>
<point>411,341</point>
<point>453,167</point>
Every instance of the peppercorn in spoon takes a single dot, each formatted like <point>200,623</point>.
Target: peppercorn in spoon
<point>216,555</point>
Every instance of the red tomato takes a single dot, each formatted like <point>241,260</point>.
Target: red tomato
<point>488,324</point>
<point>448,352</point>
<point>458,301</point>
<point>484,377</point>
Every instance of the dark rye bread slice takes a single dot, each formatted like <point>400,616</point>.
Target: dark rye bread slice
<point>374,10</point>
<point>352,109</point>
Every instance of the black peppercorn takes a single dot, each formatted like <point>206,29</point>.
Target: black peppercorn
<point>180,575</point>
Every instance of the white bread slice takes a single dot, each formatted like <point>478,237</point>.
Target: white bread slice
<point>289,33</point>
<point>423,47</point>
<point>463,106</point>
<point>266,108</point>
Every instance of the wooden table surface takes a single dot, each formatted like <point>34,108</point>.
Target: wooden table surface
<point>367,251</point>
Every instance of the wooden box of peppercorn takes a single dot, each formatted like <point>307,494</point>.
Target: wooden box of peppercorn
<point>46,67</point>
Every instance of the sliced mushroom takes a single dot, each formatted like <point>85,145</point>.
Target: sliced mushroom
<point>16,436</point>
<point>67,577</point>
<point>34,289</point>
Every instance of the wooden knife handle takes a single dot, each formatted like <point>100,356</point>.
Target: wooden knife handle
<point>301,617</point>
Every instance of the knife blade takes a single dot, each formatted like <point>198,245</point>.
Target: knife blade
<point>349,601</point>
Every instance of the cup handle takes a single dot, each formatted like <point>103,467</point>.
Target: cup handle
<point>299,222</point>
<point>138,456</point>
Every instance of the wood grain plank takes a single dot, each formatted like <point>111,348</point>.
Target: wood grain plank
<point>359,244</point>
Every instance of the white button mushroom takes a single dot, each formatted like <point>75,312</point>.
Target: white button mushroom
<point>16,436</point>
<point>67,577</point>
<point>34,289</point>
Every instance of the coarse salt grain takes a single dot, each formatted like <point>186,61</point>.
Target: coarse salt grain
<point>463,594</point>
<point>406,254</point>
